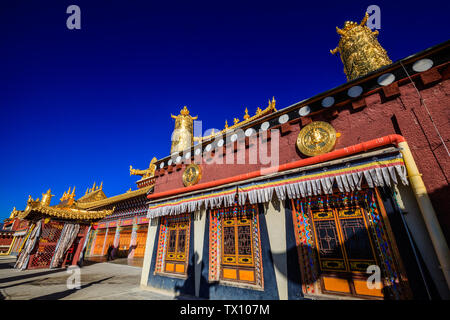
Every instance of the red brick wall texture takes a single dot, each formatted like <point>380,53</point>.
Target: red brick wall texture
<point>393,110</point>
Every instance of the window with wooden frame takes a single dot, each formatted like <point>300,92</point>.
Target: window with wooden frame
<point>177,246</point>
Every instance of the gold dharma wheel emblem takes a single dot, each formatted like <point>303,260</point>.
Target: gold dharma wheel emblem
<point>316,138</point>
<point>191,175</point>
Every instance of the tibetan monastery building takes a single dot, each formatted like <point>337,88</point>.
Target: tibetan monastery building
<point>343,195</point>
<point>15,234</point>
<point>124,231</point>
<point>55,236</point>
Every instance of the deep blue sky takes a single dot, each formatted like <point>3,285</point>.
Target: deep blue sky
<point>79,106</point>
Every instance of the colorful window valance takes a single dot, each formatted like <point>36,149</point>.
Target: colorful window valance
<point>378,171</point>
<point>213,199</point>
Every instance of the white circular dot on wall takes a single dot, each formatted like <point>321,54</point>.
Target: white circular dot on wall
<point>220,143</point>
<point>234,137</point>
<point>208,148</point>
<point>327,102</point>
<point>169,162</point>
<point>187,155</point>
<point>386,79</point>
<point>249,132</point>
<point>197,151</point>
<point>283,119</point>
<point>422,65</point>
<point>304,111</point>
<point>161,165</point>
<point>265,126</point>
<point>355,91</point>
<point>178,159</point>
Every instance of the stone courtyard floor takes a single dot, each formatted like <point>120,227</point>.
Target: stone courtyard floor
<point>98,281</point>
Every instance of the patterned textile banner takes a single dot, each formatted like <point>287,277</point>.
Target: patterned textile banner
<point>68,235</point>
<point>24,256</point>
<point>192,203</point>
<point>377,172</point>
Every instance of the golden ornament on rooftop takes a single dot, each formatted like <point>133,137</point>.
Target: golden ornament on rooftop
<point>183,135</point>
<point>192,175</point>
<point>147,173</point>
<point>360,50</point>
<point>316,138</point>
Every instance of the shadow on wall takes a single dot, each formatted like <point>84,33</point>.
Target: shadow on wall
<point>193,265</point>
<point>441,205</point>
<point>356,244</point>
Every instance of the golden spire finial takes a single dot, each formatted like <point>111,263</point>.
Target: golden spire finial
<point>226,124</point>
<point>272,104</point>
<point>73,191</point>
<point>87,191</point>
<point>246,116</point>
<point>258,111</point>
<point>359,49</point>
<point>235,120</point>
<point>101,185</point>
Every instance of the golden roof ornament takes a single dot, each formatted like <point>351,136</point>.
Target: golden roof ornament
<point>246,116</point>
<point>183,134</point>
<point>150,172</point>
<point>236,123</point>
<point>359,49</point>
<point>47,198</point>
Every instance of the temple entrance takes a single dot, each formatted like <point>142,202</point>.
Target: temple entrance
<point>110,236</point>
<point>124,242</point>
<point>341,237</point>
<point>99,242</point>
<point>141,239</point>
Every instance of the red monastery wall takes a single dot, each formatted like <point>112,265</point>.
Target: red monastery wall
<point>394,110</point>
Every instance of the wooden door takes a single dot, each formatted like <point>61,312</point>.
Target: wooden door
<point>140,242</point>
<point>124,242</point>
<point>99,241</point>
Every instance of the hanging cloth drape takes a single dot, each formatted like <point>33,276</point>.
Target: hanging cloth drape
<point>379,171</point>
<point>68,235</point>
<point>24,256</point>
<point>213,199</point>
<point>86,240</point>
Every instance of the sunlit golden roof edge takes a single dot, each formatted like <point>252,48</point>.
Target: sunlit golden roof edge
<point>64,213</point>
<point>117,198</point>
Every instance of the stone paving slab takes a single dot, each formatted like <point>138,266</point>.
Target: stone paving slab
<point>100,281</point>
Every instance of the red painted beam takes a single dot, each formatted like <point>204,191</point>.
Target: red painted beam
<point>336,154</point>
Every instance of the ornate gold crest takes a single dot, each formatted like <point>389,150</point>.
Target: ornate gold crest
<point>191,175</point>
<point>316,138</point>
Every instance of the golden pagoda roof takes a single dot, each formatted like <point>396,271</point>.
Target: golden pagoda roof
<point>71,213</point>
<point>66,209</point>
<point>114,199</point>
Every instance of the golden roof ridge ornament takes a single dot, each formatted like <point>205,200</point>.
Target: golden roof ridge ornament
<point>359,49</point>
<point>259,113</point>
<point>147,173</point>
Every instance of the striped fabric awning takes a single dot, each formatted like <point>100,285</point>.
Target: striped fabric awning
<point>213,199</point>
<point>378,171</point>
